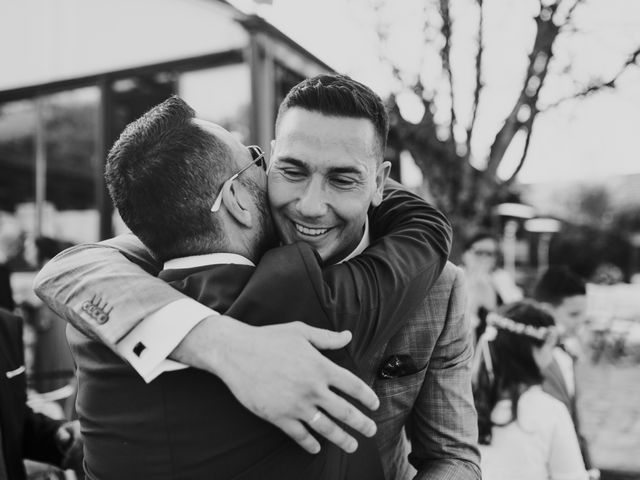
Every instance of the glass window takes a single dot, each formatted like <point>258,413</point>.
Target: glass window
<point>285,80</point>
<point>48,165</point>
<point>17,156</point>
<point>69,211</point>
<point>221,95</point>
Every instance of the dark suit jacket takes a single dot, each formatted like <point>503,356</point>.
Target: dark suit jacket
<point>25,434</point>
<point>6,294</point>
<point>186,424</point>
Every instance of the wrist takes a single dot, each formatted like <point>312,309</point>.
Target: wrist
<point>209,344</point>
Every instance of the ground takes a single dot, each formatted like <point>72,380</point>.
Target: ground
<point>609,403</point>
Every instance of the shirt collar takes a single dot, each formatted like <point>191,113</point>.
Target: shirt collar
<point>364,243</point>
<point>194,261</point>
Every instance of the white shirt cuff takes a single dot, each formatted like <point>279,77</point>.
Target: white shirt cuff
<point>149,344</point>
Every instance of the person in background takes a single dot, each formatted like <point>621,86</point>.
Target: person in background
<point>488,287</point>
<point>564,293</point>
<point>525,433</point>
<point>23,433</point>
<point>10,238</point>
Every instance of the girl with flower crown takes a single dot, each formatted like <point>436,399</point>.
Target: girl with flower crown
<point>524,432</point>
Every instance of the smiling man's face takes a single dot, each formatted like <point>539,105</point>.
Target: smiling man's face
<point>324,175</point>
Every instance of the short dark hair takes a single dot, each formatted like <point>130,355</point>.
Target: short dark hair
<point>513,363</point>
<point>340,96</point>
<point>557,283</point>
<point>163,174</point>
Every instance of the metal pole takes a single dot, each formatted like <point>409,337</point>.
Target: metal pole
<point>104,139</point>
<point>510,245</point>
<point>543,251</point>
<point>41,166</point>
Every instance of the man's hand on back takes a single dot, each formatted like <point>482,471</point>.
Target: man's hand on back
<point>278,373</point>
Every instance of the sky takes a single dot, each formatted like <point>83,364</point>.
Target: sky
<point>580,140</point>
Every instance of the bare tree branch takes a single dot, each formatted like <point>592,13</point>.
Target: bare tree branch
<point>446,64</point>
<point>541,53</point>
<point>453,182</point>
<point>478,85</point>
<point>523,156</point>
<point>632,60</point>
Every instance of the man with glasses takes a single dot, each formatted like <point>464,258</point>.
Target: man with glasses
<point>257,156</point>
<point>326,171</point>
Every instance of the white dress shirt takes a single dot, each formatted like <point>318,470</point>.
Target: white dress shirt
<point>565,363</point>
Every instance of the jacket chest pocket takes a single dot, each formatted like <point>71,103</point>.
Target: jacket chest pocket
<point>404,386</point>
<point>397,397</point>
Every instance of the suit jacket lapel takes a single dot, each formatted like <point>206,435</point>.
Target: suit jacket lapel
<point>556,385</point>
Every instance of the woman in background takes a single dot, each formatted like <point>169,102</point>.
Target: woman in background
<point>488,287</point>
<point>524,432</point>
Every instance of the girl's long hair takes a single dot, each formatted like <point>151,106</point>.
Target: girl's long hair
<point>505,363</point>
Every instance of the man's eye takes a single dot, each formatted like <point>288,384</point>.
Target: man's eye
<point>343,182</point>
<point>292,173</point>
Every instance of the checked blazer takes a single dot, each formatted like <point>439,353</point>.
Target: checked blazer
<point>433,404</point>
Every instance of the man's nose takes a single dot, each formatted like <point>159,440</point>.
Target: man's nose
<point>312,203</point>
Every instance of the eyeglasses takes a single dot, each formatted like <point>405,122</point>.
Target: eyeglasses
<point>258,159</point>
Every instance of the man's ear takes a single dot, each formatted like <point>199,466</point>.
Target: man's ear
<point>271,153</point>
<point>236,200</point>
<point>382,174</point>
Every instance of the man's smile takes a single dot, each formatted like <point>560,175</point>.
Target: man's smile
<point>309,231</point>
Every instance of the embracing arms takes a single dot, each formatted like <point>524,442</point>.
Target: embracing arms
<point>105,290</point>
<point>106,296</point>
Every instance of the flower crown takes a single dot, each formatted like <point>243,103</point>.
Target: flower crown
<point>504,323</point>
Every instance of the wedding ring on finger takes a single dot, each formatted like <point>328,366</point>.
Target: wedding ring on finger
<point>315,417</point>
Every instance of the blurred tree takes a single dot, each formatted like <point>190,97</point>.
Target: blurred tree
<point>584,248</point>
<point>627,219</point>
<point>592,206</point>
<point>437,103</point>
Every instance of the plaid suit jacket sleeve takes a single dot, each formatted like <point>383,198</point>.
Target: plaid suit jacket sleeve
<point>443,423</point>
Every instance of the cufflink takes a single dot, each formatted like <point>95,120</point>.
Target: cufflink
<point>139,348</point>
